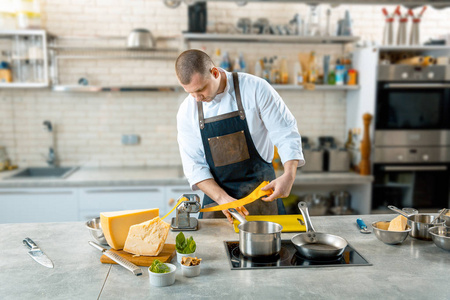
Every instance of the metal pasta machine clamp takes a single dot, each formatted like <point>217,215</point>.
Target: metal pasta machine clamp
<point>183,222</point>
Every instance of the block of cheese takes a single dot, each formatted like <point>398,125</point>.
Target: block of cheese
<point>398,224</point>
<point>147,238</point>
<point>115,225</point>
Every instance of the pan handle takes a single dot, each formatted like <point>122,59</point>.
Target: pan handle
<point>237,215</point>
<point>397,210</point>
<point>304,210</point>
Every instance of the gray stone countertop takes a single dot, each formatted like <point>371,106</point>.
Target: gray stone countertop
<point>413,270</point>
<point>144,176</point>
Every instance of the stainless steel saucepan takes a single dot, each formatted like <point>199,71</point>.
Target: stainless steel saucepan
<point>419,223</point>
<point>258,238</point>
<point>315,245</point>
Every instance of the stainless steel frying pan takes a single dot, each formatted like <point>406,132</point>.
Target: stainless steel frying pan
<point>315,245</point>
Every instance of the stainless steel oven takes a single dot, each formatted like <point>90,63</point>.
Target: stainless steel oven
<point>412,137</point>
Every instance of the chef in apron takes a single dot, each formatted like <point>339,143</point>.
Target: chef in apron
<point>227,129</point>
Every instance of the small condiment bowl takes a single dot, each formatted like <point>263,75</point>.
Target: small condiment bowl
<point>180,256</point>
<point>163,279</point>
<point>190,271</point>
<point>389,237</point>
<point>95,229</point>
<point>441,236</point>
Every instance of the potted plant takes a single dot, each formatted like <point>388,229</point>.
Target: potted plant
<point>184,247</point>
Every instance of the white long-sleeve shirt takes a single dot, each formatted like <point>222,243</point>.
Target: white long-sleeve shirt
<point>269,120</point>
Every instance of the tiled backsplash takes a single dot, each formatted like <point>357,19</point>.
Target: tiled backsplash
<point>89,126</point>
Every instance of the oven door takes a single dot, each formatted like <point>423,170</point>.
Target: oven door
<point>411,185</point>
<point>413,106</point>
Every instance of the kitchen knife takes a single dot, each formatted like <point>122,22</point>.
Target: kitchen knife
<point>118,259</point>
<point>37,254</point>
<point>362,226</point>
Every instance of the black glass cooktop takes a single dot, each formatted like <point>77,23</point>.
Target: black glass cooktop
<point>289,258</point>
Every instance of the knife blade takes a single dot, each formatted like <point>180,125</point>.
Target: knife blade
<point>37,254</point>
<point>118,259</point>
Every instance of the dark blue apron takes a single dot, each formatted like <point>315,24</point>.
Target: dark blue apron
<point>234,160</point>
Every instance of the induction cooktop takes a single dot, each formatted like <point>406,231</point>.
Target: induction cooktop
<point>289,258</point>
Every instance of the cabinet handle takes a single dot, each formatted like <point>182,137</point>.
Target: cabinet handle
<point>36,193</point>
<point>123,191</point>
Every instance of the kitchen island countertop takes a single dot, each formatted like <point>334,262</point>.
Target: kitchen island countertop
<point>413,270</point>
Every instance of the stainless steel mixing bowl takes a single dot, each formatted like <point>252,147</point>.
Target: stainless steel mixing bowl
<point>441,236</point>
<point>95,229</point>
<point>389,237</point>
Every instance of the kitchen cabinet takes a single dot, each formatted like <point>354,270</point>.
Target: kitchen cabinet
<point>28,60</point>
<point>27,205</point>
<point>173,193</point>
<point>93,201</point>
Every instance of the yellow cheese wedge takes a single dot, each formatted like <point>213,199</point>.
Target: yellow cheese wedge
<point>147,238</point>
<point>115,225</point>
<point>398,224</point>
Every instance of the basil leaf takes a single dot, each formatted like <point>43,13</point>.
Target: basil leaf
<point>180,241</point>
<point>159,267</point>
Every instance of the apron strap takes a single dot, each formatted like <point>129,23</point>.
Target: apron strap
<point>201,118</point>
<point>237,93</point>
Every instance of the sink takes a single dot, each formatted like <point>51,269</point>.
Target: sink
<point>44,173</point>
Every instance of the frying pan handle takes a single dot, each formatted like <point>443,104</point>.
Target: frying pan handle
<point>397,210</point>
<point>304,210</point>
<point>237,215</point>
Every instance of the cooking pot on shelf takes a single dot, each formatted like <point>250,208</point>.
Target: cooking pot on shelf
<point>318,205</point>
<point>258,238</point>
<point>140,38</point>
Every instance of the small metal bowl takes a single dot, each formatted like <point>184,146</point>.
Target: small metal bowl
<point>389,237</point>
<point>446,218</point>
<point>440,236</point>
<point>95,229</point>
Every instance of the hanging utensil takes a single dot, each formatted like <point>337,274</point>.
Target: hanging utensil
<point>362,226</point>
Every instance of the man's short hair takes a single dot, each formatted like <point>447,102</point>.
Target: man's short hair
<point>190,62</point>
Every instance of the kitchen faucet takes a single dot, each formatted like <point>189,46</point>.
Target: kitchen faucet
<point>51,157</point>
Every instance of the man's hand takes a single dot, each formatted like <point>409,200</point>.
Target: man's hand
<point>241,210</point>
<point>282,185</point>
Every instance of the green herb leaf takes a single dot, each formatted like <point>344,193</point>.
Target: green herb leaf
<point>183,245</point>
<point>159,267</point>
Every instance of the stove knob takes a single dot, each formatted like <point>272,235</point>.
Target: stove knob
<point>425,157</point>
<point>400,157</point>
<point>430,75</point>
<point>404,75</point>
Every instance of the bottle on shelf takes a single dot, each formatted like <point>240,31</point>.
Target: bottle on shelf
<point>266,69</point>
<point>340,73</point>
<point>298,73</point>
<point>332,76</point>
<point>217,58</point>
<point>312,71</point>
<point>326,68</point>
<point>242,63</point>
<point>284,71</point>
<point>258,68</point>
<point>225,63</point>
<point>236,65</point>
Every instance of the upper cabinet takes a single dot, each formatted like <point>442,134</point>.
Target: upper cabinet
<point>23,62</point>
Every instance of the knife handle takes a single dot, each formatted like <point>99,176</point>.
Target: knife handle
<point>361,223</point>
<point>124,263</point>
<point>29,243</point>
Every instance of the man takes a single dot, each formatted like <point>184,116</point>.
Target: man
<point>227,129</point>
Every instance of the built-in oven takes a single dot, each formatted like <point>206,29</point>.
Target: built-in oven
<point>411,161</point>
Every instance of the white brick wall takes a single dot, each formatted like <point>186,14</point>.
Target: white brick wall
<point>89,126</point>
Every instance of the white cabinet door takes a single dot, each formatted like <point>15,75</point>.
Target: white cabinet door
<point>38,205</point>
<point>175,192</point>
<point>95,200</point>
